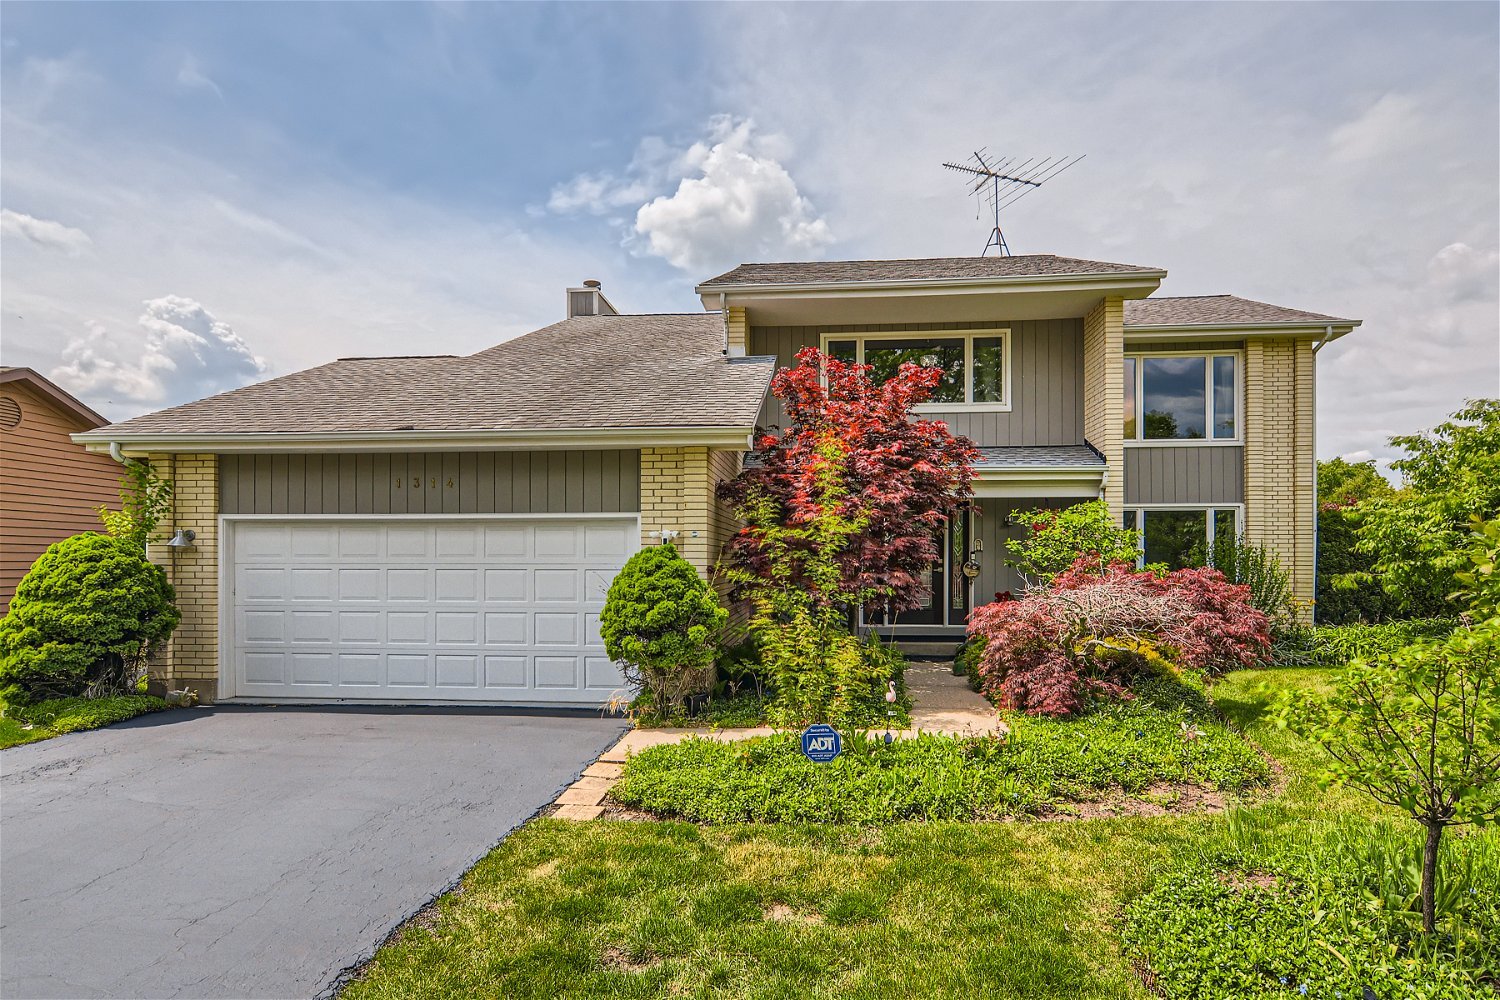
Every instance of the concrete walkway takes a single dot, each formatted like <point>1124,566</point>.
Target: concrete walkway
<point>942,704</point>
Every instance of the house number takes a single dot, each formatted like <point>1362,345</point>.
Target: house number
<point>416,482</point>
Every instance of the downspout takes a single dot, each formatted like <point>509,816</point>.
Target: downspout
<point>1317,508</point>
<point>724,319</point>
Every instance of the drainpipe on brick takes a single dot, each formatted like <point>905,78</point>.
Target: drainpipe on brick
<point>1317,508</point>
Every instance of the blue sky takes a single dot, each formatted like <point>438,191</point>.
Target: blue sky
<point>195,196</point>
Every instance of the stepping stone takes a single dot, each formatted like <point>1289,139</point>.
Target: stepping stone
<point>602,769</point>
<point>576,812</point>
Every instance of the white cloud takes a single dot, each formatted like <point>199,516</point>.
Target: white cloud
<point>44,232</point>
<point>718,201</point>
<point>192,77</point>
<point>179,351</point>
<point>1382,129</point>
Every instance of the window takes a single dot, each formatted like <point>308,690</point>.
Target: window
<point>975,364</point>
<point>1183,536</point>
<point>1181,397</point>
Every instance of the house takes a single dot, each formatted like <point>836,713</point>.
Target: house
<point>50,487</point>
<point>445,528</point>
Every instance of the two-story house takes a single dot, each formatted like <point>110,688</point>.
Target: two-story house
<point>435,529</point>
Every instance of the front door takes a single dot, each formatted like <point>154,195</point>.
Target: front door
<point>947,602</point>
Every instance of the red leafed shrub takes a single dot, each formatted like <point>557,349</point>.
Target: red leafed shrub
<point>1091,632</point>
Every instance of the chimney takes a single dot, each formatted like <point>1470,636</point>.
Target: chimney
<point>589,300</point>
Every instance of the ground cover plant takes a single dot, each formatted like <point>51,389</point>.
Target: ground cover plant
<point>43,720</point>
<point>1167,735</point>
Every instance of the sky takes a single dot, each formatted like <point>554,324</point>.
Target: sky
<point>197,196</point>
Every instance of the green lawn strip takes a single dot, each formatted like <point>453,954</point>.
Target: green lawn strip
<point>1166,736</point>
<point>47,719</point>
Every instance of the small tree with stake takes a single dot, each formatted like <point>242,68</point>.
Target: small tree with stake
<point>1420,729</point>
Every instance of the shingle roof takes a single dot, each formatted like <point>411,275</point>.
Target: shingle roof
<point>588,372</point>
<point>937,268</point>
<point>1215,310</point>
<point>1062,456</point>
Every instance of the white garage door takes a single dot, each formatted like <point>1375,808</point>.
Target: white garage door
<point>501,611</point>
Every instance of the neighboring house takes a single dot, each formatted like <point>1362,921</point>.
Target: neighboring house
<point>50,487</point>
<point>445,528</point>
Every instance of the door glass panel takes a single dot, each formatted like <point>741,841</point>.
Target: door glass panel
<point>885,357</point>
<point>1174,537</point>
<point>1224,397</point>
<point>1174,397</point>
<point>989,376</point>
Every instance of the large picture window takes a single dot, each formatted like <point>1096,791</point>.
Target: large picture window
<point>975,364</point>
<point>1180,537</point>
<point>1181,397</point>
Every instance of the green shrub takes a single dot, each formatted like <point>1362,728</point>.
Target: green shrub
<point>70,715</point>
<point>1167,734</point>
<point>662,621</point>
<point>1338,645</point>
<point>967,657</point>
<point>1319,912</point>
<point>1058,538</point>
<point>83,621</point>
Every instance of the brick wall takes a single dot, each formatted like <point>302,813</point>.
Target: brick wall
<point>192,657</point>
<point>1280,495</point>
<point>737,331</point>
<point>1103,394</point>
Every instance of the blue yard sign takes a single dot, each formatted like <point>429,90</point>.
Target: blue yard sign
<point>820,743</point>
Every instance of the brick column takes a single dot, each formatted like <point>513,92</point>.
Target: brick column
<point>1280,495</point>
<point>737,331</point>
<point>192,657</point>
<point>677,495</point>
<point>1104,394</point>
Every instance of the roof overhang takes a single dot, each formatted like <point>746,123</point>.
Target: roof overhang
<point>1239,331</point>
<point>737,438</point>
<point>931,300</point>
<point>1039,481</point>
<point>65,401</point>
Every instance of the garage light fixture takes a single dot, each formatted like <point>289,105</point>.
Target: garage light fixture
<point>183,539</point>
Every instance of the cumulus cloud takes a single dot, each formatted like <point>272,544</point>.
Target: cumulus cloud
<point>718,201</point>
<point>44,232</point>
<point>179,352</point>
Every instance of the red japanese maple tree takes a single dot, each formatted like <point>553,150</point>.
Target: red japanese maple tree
<point>901,477</point>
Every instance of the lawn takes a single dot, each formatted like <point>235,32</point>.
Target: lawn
<point>69,715</point>
<point>936,909</point>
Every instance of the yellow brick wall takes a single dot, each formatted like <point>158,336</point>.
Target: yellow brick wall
<point>737,331</point>
<point>675,495</point>
<point>1280,495</point>
<point>192,656</point>
<point>1103,394</point>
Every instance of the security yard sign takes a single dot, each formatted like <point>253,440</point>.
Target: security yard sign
<point>820,743</point>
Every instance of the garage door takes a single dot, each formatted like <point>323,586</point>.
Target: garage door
<point>500,611</point>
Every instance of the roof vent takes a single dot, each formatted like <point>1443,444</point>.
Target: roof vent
<point>588,300</point>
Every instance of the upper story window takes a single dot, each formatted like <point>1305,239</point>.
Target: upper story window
<point>1182,397</point>
<point>975,363</point>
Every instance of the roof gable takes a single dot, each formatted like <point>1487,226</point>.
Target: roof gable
<point>61,398</point>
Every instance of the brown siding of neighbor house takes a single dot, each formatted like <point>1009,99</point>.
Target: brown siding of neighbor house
<point>1186,474</point>
<point>49,486</point>
<point>541,482</point>
<point>1046,379</point>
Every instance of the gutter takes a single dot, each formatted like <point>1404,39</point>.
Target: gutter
<point>482,440</point>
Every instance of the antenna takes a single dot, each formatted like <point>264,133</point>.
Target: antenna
<point>1007,182</point>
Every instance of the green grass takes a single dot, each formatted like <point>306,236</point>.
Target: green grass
<point>903,910</point>
<point>70,715</point>
<point>1168,735</point>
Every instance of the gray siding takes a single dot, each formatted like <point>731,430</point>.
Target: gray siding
<point>1187,474</point>
<point>1046,381</point>
<point>541,482</point>
<point>1207,346</point>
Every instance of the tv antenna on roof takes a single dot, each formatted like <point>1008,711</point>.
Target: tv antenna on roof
<point>1005,182</point>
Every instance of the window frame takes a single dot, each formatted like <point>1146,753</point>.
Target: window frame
<point>967,336</point>
<point>1207,509</point>
<point>1208,400</point>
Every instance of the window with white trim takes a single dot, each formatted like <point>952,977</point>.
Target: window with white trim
<point>1181,536</point>
<point>975,363</point>
<point>1182,397</point>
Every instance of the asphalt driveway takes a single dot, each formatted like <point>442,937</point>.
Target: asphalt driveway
<point>241,852</point>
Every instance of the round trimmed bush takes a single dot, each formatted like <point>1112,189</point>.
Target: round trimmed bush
<point>662,621</point>
<point>83,621</point>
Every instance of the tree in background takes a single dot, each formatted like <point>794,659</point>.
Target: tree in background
<point>1342,487</point>
<point>899,478</point>
<point>1415,537</point>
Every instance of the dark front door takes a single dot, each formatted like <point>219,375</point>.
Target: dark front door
<point>948,598</point>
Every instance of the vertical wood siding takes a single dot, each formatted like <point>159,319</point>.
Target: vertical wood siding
<point>1185,474</point>
<point>989,526</point>
<point>1046,379</point>
<point>49,486</point>
<point>537,482</point>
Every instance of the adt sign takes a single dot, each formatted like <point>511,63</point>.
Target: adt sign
<point>820,743</point>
